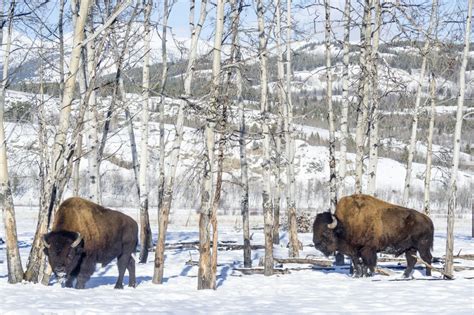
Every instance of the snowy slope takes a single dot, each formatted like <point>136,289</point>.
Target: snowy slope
<point>311,163</point>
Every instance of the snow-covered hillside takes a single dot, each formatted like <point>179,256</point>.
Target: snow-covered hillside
<point>311,166</point>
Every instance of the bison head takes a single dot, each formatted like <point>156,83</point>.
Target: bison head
<point>324,233</point>
<point>64,250</point>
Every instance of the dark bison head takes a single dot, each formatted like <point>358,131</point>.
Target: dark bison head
<point>324,234</point>
<point>64,250</point>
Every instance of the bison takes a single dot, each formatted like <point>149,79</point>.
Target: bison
<point>84,234</point>
<point>363,225</point>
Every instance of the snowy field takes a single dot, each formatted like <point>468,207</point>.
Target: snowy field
<point>305,291</point>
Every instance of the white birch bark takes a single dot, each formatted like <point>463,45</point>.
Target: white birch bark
<point>174,155</point>
<point>374,117</point>
<point>290,144</point>
<point>345,100</point>
<point>164,73</point>
<point>14,267</point>
<point>448,268</point>
<point>206,279</point>
<point>145,232</point>
<point>429,150</point>
<point>281,103</point>
<point>332,129</point>
<point>61,46</point>
<point>362,110</point>
<point>266,177</point>
<point>237,6</point>
<point>416,109</point>
<point>76,180</point>
<point>92,123</point>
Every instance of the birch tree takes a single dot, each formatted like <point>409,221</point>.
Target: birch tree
<point>448,268</point>
<point>290,144</point>
<point>145,231</point>
<point>206,278</point>
<point>332,131</point>
<point>237,6</point>
<point>163,217</point>
<point>429,149</point>
<point>414,127</point>
<point>266,200</point>
<point>374,114</point>
<point>362,109</point>
<point>15,269</point>
<point>36,258</point>
<point>164,73</point>
<point>345,99</point>
<point>281,104</point>
<point>92,137</point>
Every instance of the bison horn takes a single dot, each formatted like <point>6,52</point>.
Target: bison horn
<point>333,224</point>
<point>45,243</point>
<point>77,241</point>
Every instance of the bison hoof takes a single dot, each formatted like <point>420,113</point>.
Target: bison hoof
<point>408,276</point>
<point>118,286</point>
<point>132,285</point>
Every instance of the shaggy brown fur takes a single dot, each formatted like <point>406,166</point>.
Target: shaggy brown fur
<point>106,235</point>
<point>367,225</point>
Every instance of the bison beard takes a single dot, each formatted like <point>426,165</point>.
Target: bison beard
<point>363,225</point>
<point>85,234</point>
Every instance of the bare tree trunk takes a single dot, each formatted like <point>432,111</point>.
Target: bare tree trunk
<point>362,110</point>
<point>145,231</point>
<point>414,126</point>
<point>164,73</point>
<point>44,157</point>
<point>92,141</point>
<point>61,47</point>
<point>345,100</point>
<point>281,104</point>
<point>448,268</point>
<point>290,145</point>
<point>206,278</point>
<point>429,151</point>
<point>237,6</point>
<point>374,117</point>
<point>332,130</point>
<point>266,177</point>
<point>169,187</point>
<point>15,270</point>
<point>76,183</point>
<point>36,258</point>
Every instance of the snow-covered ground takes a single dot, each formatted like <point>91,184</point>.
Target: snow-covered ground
<point>305,291</point>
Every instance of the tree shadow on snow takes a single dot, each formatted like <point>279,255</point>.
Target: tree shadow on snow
<point>223,276</point>
<point>98,281</point>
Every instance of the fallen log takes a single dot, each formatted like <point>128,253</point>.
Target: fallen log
<point>418,259</point>
<point>311,261</point>
<point>465,256</point>
<point>384,271</point>
<point>261,271</point>
<point>225,245</point>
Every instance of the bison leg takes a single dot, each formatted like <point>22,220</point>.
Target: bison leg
<point>425,254</point>
<point>87,268</point>
<point>122,263</point>
<point>357,267</point>
<point>411,261</point>
<point>131,273</point>
<point>369,258</point>
<point>69,282</point>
